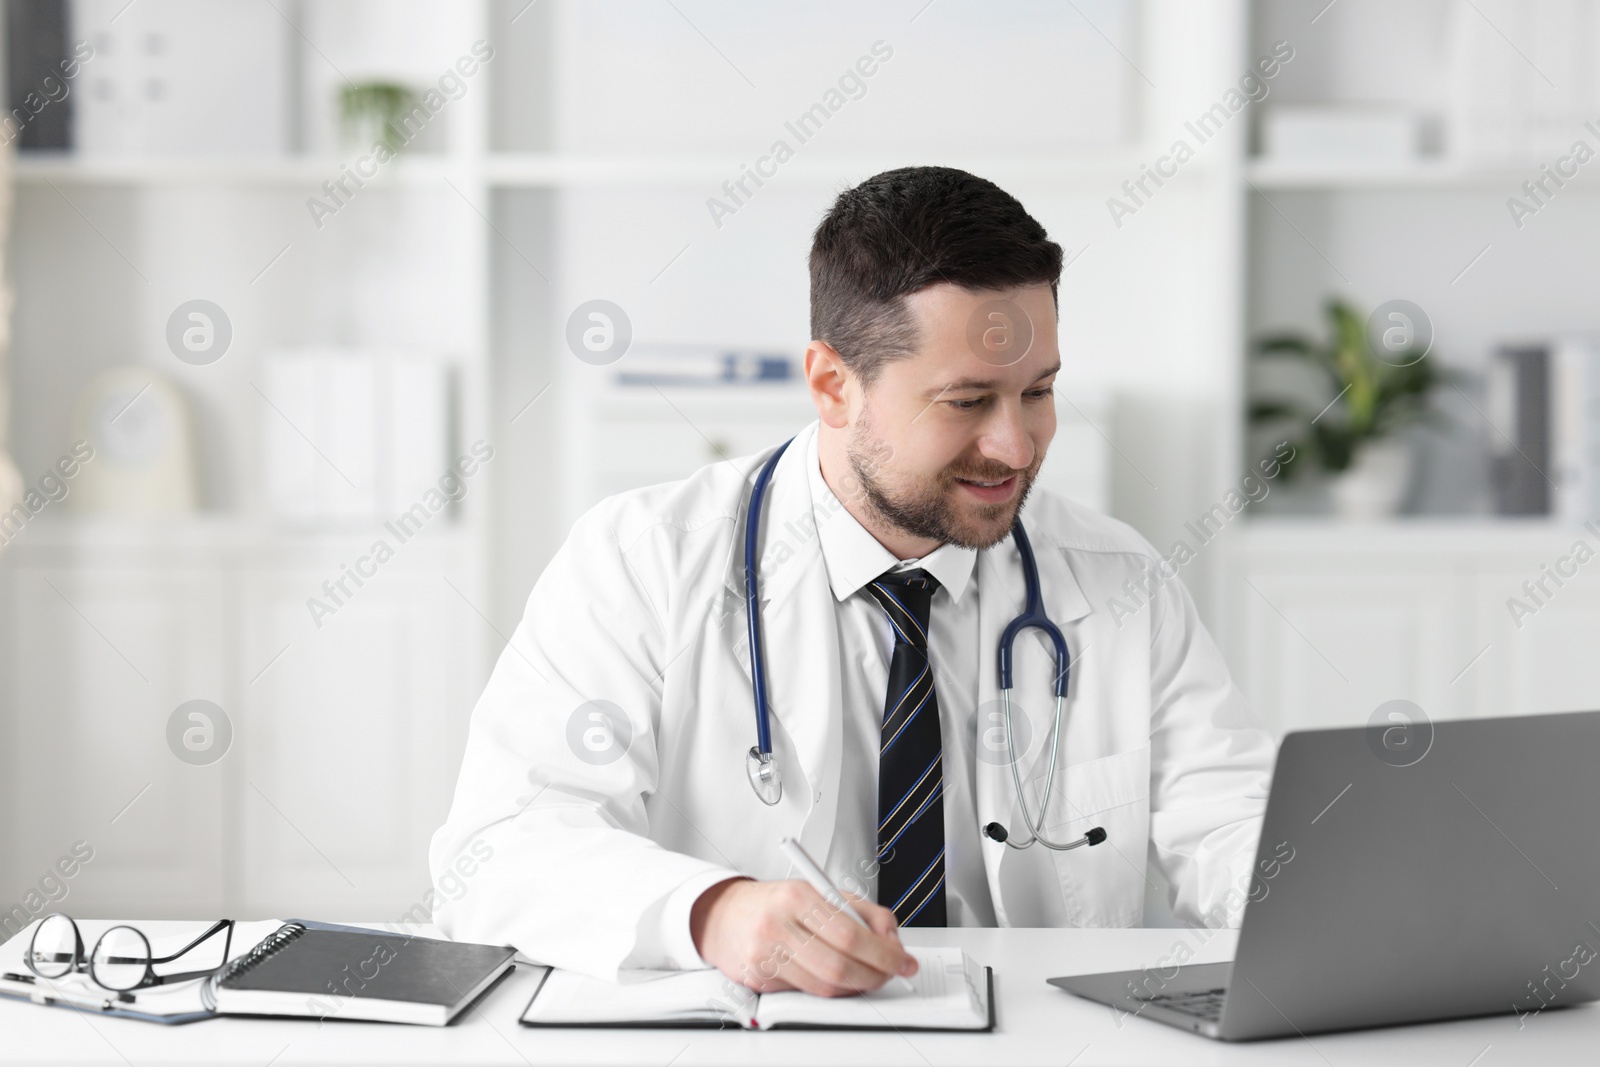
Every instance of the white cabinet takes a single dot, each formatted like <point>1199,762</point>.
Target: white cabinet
<point>642,435</point>
<point>346,737</point>
<point>1325,649</point>
<point>100,657</point>
<point>1550,662</point>
<point>350,741</point>
<point>1324,622</point>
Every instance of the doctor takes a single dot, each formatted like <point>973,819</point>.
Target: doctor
<point>605,776</point>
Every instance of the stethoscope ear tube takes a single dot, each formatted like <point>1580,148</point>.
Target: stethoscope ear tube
<point>1034,616</point>
<point>995,832</point>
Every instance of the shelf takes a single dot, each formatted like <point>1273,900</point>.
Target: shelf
<point>1428,534</point>
<point>67,532</point>
<point>40,169</point>
<point>551,170</point>
<point>1424,174</point>
<point>554,169</point>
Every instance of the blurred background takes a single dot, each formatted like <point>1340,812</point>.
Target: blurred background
<point>324,319</point>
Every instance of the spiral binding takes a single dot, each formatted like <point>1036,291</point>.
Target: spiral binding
<point>280,937</point>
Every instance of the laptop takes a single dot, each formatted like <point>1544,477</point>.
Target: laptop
<point>1434,871</point>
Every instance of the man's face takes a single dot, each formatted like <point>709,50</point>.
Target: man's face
<point>946,443</point>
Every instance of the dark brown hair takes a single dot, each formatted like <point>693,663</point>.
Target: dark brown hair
<point>902,231</point>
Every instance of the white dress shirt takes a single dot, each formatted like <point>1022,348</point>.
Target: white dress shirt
<point>854,558</point>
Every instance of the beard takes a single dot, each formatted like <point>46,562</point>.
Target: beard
<point>927,509</point>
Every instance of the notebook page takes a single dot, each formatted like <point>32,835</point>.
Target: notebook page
<point>947,992</point>
<point>569,997</point>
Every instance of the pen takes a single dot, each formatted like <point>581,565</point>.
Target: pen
<point>830,892</point>
<point>57,997</point>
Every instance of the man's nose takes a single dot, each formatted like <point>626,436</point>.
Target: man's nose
<point>1007,441</point>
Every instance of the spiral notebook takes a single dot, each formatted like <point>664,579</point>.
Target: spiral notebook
<point>949,992</point>
<point>327,972</point>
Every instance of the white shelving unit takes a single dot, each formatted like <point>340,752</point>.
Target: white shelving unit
<point>1323,621</point>
<point>346,727</point>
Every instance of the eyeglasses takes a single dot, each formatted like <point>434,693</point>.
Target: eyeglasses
<point>121,959</point>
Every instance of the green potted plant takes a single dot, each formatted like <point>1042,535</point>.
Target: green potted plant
<point>1351,431</point>
<point>371,112</point>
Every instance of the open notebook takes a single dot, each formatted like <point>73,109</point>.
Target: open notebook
<point>949,992</point>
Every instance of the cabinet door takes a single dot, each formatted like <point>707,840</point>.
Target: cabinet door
<point>100,660</point>
<point>1325,645</point>
<point>352,736</point>
<point>1544,660</point>
<point>647,436</point>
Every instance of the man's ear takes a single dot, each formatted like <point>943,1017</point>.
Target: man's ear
<point>826,376</point>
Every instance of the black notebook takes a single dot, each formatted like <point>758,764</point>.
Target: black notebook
<point>949,992</point>
<point>346,973</point>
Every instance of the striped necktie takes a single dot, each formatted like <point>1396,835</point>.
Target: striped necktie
<point>910,760</point>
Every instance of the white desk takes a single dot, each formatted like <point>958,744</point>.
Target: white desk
<point>1038,1024</point>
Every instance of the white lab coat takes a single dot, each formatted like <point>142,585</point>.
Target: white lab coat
<point>644,607</point>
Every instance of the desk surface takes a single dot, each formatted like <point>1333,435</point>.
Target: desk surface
<point>1037,1024</point>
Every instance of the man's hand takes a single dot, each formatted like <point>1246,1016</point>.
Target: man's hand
<point>784,935</point>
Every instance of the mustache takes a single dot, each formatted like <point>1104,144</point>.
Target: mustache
<point>997,472</point>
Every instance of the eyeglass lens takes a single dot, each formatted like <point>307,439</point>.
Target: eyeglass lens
<point>121,958</point>
<point>54,950</point>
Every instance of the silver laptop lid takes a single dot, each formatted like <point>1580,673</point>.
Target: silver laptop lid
<point>1438,870</point>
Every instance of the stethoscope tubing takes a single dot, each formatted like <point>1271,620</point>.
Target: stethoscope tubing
<point>752,600</point>
<point>1033,616</point>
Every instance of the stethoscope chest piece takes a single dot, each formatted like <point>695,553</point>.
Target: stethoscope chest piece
<point>764,777</point>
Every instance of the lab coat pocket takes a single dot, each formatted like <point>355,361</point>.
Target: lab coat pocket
<point>1103,885</point>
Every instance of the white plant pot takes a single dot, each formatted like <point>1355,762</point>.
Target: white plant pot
<point>1377,481</point>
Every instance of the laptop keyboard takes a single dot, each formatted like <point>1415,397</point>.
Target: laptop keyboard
<point>1206,1004</point>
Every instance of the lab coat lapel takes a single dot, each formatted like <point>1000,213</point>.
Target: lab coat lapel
<point>1002,593</point>
<point>801,641</point>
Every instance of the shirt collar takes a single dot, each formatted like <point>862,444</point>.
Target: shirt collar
<point>854,557</point>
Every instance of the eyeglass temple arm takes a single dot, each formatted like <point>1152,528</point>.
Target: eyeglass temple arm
<point>181,976</point>
<point>220,924</point>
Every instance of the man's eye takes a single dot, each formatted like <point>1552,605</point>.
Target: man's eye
<point>1041,394</point>
<point>967,405</point>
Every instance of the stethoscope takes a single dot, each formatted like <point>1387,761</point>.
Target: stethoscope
<point>759,764</point>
